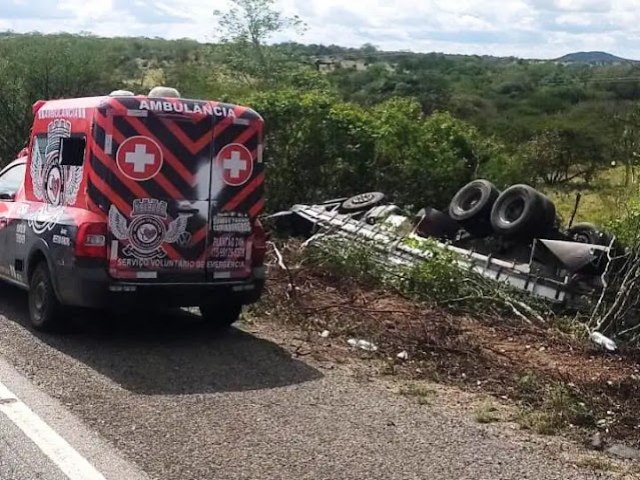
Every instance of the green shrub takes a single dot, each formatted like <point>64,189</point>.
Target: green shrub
<point>319,147</point>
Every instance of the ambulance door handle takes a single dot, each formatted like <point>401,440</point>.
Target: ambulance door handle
<point>3,222</point>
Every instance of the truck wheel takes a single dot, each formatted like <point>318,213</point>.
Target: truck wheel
<point>430,223</point>
<point>522,212</point>
<point>471,206</point>
<point>589,233</point>
<point>220,316</point>
<point>45,311</point>
<point>362,202</point>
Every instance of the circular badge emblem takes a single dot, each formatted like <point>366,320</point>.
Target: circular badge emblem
<point>147,233</point>
<point>235,164</point>
<point>139,158</point>
<point>54,179</point>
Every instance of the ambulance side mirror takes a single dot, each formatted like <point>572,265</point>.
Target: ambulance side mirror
<point>72,151</point>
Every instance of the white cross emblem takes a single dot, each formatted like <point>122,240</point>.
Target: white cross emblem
<point>235,164</point>
<point>140,159</point>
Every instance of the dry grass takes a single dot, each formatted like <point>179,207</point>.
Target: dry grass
<point>556,409</point>
<point>599,203</point>
<point>487,412</point>
<point>422,393</point>
<point>597,463</point>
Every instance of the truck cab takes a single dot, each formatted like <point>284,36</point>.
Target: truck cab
<point>126,200</point>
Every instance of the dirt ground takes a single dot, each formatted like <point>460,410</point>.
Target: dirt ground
<point>541,369</point>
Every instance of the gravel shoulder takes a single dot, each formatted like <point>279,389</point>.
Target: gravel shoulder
<point>263,403</point>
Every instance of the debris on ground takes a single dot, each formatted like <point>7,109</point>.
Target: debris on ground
<point>604,342</point>
<point>404,355</point>
<point>596,442</point>
<point>622,451</point>
<point>363,345</point>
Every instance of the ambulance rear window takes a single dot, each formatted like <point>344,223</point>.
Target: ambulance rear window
<point>72,151</point>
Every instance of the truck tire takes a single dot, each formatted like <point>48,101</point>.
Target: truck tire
<point>471,206</point>
<point>522,212</point>
<point>588,233</point>
<point>550,210</point>
<point>220,316</point>
<point>362,202</point>
<point>45,311</point>
<point>432,223</point>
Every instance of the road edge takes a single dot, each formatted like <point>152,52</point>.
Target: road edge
<point>88,443</point>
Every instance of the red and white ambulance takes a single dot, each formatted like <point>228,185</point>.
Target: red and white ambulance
<point>127,199</point>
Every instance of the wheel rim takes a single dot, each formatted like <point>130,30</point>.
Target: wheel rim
<point>512,211</point>
<point>582,237</point>
<point>362,198</point>
<point>38,299</point>
<point>471,200</point>
<point>39,296</point>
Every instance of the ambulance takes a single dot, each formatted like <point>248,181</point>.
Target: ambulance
<point>125,200</point>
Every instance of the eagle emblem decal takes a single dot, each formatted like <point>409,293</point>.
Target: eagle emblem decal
<point>148,229</point>
<point>53,183</point>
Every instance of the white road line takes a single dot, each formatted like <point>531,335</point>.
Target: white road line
<point>68,460</point>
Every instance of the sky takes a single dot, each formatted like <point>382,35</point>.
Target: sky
<point>522,28</point>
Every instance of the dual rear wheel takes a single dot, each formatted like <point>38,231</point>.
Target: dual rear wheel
<point>520,212</point>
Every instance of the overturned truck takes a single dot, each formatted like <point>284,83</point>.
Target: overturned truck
<point>512,237</point>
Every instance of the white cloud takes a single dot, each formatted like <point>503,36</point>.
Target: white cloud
<point>86,10</point>
<point>528,28</point>
<point>584,5</point>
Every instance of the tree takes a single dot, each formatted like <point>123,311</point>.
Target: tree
<point>627,148</point>
<point>562,154</point>
<point>14,112</point>
<point>34,67</point>
<point>245,29</point>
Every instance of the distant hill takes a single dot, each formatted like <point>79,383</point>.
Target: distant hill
<point>593,58</point>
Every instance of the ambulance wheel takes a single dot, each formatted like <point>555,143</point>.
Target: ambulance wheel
<point>220,316</point>
<point>45,311</point>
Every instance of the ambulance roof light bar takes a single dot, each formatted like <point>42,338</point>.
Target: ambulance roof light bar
<point>166,92</point>
<point>121,93</point>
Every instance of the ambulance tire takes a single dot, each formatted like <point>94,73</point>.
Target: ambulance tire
<point>220,317</point>
<point>45,311</point>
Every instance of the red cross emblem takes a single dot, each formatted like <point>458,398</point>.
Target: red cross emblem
<point>139,158</point>
<point>235,164</point>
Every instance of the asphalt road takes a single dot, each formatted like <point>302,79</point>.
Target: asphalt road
<point>20,459</point>
<point>165,397</point>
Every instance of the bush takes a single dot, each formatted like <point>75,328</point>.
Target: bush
<point>440,280</point>
<point>422,161</point>
<point>319,147</point>
<point>315,146</point>
<point>626,227</point>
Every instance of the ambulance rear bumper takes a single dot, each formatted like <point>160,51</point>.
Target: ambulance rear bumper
<point>93,288</point>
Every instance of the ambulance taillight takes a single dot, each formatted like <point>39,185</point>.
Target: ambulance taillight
<point>259,248</point>
<point>91,241</point>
